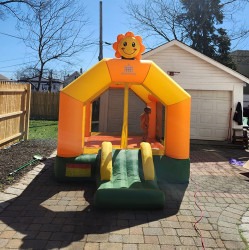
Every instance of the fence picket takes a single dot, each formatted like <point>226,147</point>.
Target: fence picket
<point>44,105</point>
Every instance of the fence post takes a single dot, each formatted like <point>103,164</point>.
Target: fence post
<point>27,112</point>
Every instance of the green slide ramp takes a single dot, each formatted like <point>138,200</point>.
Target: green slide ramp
<point>127,187</point>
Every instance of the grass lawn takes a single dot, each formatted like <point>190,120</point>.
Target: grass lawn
<point>42,129</point>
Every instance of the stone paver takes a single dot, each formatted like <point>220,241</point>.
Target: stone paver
<point>211,211</point>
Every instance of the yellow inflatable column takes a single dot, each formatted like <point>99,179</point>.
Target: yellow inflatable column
<point>147,161</point>
<point>70,127</point>
<point>177,130</point>
<point>125,118</point>
<point>106,161</point>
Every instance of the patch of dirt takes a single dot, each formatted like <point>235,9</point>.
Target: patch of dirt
<point>18,155</point>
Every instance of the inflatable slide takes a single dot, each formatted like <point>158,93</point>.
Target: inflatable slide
<point>127,178</point>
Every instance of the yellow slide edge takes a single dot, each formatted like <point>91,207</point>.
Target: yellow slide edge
<point>106,161</point>
<point>147,161</point>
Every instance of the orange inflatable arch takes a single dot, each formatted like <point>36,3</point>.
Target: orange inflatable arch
<point>143,77</point>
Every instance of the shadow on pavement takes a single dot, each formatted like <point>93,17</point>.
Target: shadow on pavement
<point>49,214</point>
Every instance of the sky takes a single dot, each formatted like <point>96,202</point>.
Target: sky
<point>14,55</point>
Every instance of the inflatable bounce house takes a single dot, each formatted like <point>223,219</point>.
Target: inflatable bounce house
<point>126,170</point>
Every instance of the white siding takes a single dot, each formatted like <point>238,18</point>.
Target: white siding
<point>195,73</point>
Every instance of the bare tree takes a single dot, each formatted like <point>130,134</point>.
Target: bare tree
<point>26,73</point>
<point>55,31</point>
<point>159,18</point>
<point>12,7</point>
<point>238,29</point>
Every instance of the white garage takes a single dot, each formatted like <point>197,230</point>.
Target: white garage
<point>210,114</point>
<point>215,90</point>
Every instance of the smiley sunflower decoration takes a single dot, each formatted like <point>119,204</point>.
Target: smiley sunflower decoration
<point>129,46</point>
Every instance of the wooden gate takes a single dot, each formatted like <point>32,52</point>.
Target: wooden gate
<point>14,112</point>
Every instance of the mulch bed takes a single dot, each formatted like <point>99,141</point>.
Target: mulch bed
<point>19,154</point>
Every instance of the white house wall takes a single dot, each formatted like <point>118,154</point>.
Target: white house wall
<point>195,73</point>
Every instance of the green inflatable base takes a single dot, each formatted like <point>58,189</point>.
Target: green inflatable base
<point>131,193</point>
<point>167,169</point>
<point>62,164</point>
<point>172,170</point>
<point>129,198</point>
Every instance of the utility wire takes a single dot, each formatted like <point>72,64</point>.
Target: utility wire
<point>9,60</point>
<point>16,65</point>
<point>94,56</point>
<point>5,34</point>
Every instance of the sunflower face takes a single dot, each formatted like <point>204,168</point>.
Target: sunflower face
<point>128,46</point>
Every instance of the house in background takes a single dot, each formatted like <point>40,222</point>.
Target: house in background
<point>241,60</point>
<point>4,78</point>
<point>56,84</point>
<point>72,77</point>
<point>215,90</point>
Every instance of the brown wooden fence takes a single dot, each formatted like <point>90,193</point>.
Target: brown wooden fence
<point>14,112</point>
<point>44,105</point>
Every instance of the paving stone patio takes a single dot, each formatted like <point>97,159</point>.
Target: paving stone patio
<point>210,212</point>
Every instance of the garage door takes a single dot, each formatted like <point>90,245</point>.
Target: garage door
<point>115,111</point>
<point>210,114</point>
